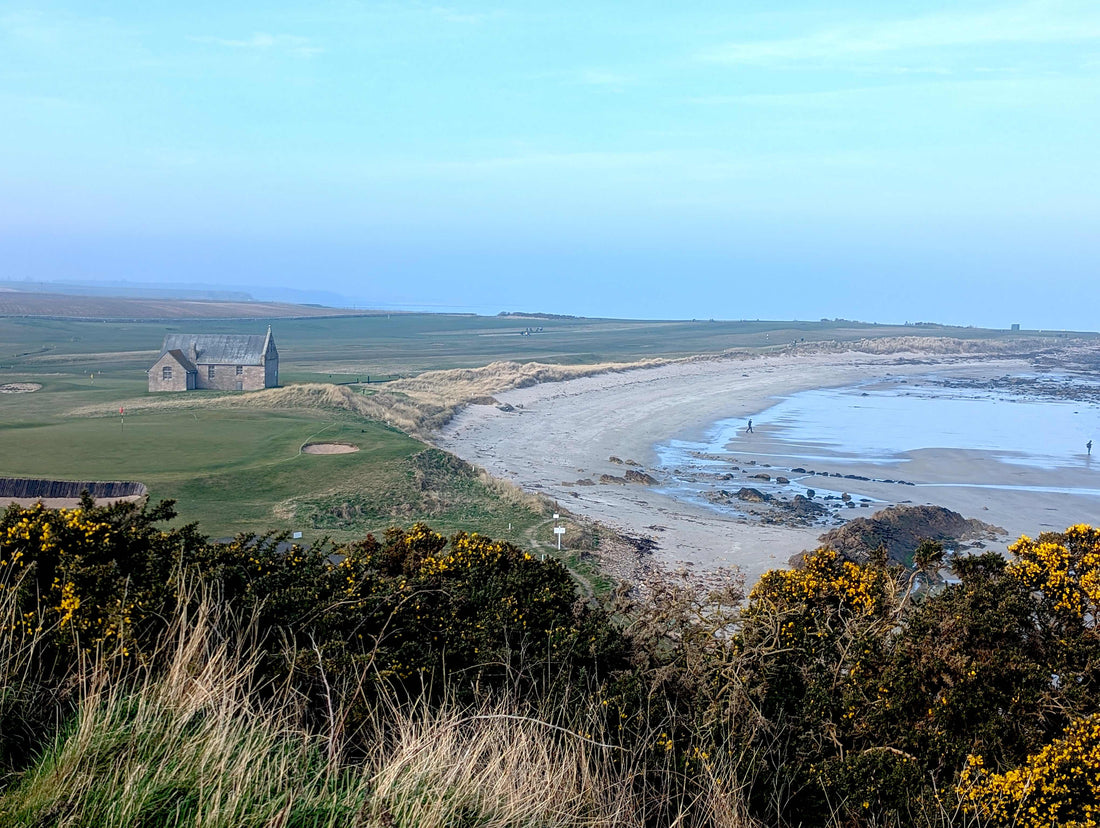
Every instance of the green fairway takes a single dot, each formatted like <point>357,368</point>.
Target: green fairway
<point>242,470</point>
<point>145,446</point>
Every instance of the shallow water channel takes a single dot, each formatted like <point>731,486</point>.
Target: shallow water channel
<point>947,433</point>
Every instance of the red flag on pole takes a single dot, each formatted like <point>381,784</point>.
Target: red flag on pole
<point>121,410</point>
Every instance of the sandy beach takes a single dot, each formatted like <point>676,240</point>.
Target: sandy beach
<point>559,433</point>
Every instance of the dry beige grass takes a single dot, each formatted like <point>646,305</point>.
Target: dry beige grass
<point>417,405</point>
<point>195,730</point>
<point>63,502</point>
<point>515,496</point>
<point>937,345</point>
<point>508,769</point>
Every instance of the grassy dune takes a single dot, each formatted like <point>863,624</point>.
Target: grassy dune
<point>415,405</point>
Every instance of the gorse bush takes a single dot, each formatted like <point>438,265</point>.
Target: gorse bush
<point>397,613</point>
<point>806,640</point>
<point>419,679</point>
<point>90,576</point>
<point>1059,785</point>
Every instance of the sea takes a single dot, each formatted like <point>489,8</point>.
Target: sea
<point>884,429</point>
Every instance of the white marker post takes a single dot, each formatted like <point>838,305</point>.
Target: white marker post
<point>559,531</point>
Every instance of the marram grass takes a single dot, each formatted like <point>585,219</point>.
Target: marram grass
<point>190,747</point>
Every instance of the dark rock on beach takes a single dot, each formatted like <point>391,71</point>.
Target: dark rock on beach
<point>805,507</point>
<point>750,495</point>
<point>900,529</point>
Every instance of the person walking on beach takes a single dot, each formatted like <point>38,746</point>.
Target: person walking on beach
<point>750,427</point>
<point>1088,446</point>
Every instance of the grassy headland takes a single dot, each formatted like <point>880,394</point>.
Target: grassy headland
<point>233,461</point>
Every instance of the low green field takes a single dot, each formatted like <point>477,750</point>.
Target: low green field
<point>383,346</point>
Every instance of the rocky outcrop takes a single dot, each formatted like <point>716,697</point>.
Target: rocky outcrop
<point>900,530</point>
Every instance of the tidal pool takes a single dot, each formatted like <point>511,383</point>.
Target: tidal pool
<point>882,429</point>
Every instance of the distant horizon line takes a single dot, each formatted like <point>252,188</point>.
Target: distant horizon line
<point>337,301</point>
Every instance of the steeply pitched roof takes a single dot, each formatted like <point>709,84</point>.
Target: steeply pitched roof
<point>220,349</point>
<point>180,357</point>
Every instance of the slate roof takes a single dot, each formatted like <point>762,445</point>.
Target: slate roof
<point>218,349</point>
<point>180,357</point>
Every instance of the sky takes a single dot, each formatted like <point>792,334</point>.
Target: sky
<point>889,162</point>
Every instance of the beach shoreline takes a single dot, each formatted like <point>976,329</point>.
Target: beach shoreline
<point>554,438</point>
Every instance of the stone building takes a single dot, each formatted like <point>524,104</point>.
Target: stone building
<point>225,362</point>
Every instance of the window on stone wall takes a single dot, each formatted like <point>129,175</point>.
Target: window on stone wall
<point>210,372</point>
<point>166,372</point>
<point>240,370</point>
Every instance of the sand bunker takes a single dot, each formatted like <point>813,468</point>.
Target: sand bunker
<point>19,387</point>
<point>329,448</point>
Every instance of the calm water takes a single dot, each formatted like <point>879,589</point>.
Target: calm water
<point>878,423</point>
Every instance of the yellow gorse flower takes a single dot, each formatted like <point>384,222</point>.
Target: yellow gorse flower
<point>1059,785</point>
<point>1065,570</point>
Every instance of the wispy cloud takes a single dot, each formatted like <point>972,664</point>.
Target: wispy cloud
<point>1042,22</point>
<point>600,77</point>
<point>453,15</point>
<point>264,42</point>
<point>68,32</point>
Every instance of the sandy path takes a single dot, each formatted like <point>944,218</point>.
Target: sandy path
<point>63,502</point>
<point>564,431</point>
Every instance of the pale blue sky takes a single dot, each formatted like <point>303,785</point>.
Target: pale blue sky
<point>887,162</point>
